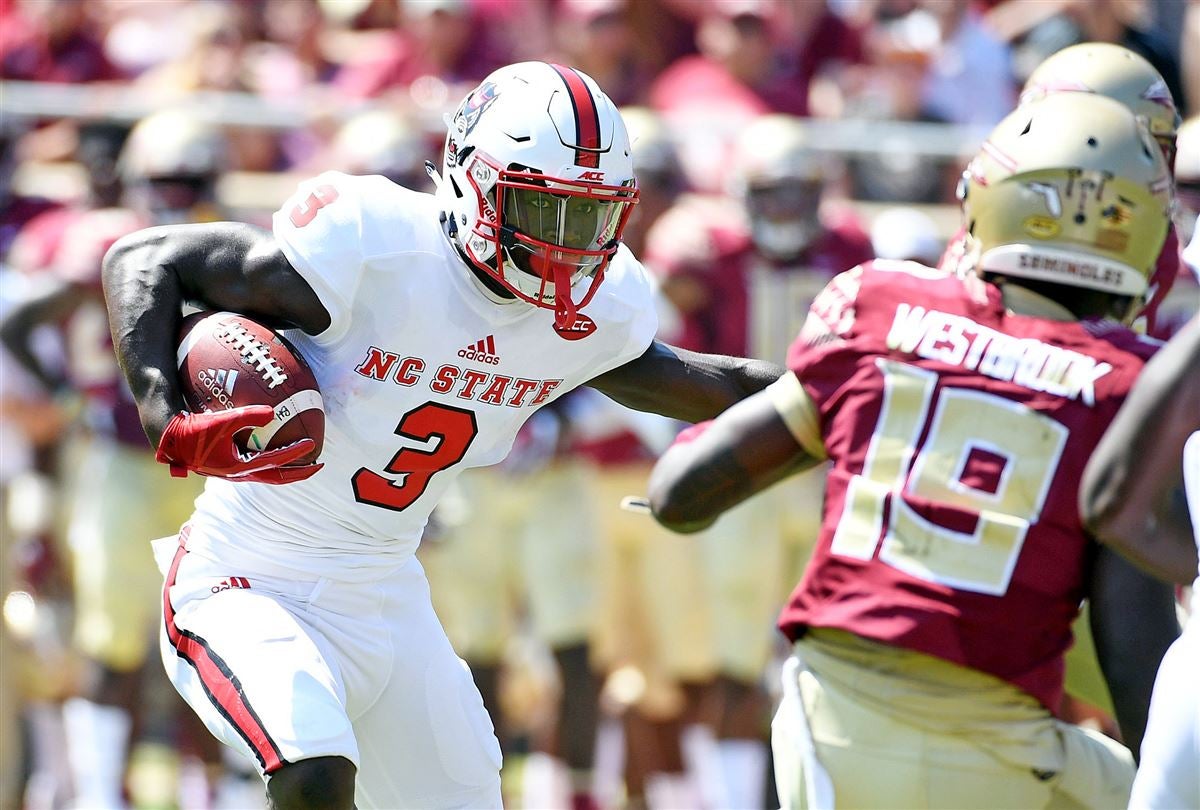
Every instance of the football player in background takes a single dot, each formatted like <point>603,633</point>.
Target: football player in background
<point>331,669</point>
<point>742,269</point>
<point>1131,500</point>
<point>115,492</point>
<point>957,412</point>
<point>653,634</point>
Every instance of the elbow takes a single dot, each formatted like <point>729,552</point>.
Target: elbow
<point>1104,513</point>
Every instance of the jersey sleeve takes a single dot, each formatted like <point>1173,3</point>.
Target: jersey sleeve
<point>830,320</point>
<point>324,231</point>
<point>633,287</point>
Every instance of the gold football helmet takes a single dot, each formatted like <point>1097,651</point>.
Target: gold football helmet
<point>1070,190</point>
<point>1112,71</point>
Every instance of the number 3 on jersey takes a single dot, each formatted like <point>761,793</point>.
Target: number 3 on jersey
<point>969,431</point>
<point>451,430</point>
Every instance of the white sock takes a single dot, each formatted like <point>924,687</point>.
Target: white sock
<point>608,771</point>
<point>49,783</point>
<point>703,760</point>
<point>544,782</point>
<point>671,791</point>
<point>97,737</point>
<point>744,765</point>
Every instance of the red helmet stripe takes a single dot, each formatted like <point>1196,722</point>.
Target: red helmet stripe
<point>587,118</point>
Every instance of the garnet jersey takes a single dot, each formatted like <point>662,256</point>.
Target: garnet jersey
<point>958,433</point>
<point>422,372</point>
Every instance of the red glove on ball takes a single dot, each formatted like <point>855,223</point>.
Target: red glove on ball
<point>205,443</point>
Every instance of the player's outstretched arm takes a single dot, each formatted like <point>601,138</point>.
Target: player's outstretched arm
<point>1133,623</point>
<point>1130,498</point>
<point>683,384</point>
<point>716,465</point>
<point>148,275</point>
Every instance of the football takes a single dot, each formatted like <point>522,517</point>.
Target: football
<point>227,360</point>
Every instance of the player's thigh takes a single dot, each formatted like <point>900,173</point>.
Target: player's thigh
<point>1169,772</point>
<point>907,766</point>
<point>558,555</point>
<point>261,678</point>
<point>742,555</point>
<point>427,740</point>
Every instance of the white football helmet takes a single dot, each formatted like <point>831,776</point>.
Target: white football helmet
<point>537,183</point>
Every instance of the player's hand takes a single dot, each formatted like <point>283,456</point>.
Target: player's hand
<point>206,444</point>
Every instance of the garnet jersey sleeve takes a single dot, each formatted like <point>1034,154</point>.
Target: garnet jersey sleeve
<point>330,228</point>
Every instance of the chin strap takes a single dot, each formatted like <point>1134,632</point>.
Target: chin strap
<point>565,310</point>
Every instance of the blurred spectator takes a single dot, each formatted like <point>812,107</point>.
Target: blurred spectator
<point>442,39</point>
<point>52,42</point>
<point>1189,50</point>
<point>595,37</point>
<point>1039,28</point>
<point>291,58</point>
<point>737,71</point>
<point>902,40</point>
<point>969,78</point>
<point>144,35</point>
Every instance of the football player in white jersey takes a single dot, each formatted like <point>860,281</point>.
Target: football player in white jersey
<point>321,655</point>
<point>1129,501</point>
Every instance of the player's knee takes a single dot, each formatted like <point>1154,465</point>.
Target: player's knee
<point>321,783</point>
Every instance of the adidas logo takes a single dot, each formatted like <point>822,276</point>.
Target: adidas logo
<point>484,351</point>
<point>219,384</point>
<point>231,582</point>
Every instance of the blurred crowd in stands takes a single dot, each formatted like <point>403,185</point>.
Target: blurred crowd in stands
<point>746,211</point>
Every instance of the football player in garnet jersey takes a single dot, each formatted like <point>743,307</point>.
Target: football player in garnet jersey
<point>957,414</point>
<point>1130,498</point>
<point>330,667</point>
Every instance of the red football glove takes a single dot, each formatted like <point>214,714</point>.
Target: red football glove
<point>204,443</point>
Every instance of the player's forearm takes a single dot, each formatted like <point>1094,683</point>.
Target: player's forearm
<point>1127,498</point>
<point>1133,623</point>
<point>685,385</point>
<point>144,298</point>
<point>743,452</point>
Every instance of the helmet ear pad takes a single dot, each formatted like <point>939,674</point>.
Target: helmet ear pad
<point>538,133</point>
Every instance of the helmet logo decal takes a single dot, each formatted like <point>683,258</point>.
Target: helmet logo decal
<point>474,106</point>
<point>1049,193</point>
<point>1159,93</point>
<point>592,176</point>
<point>587,118</point>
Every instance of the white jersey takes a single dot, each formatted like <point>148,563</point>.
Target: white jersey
<point>1191,483</point>
<point>422,374</point>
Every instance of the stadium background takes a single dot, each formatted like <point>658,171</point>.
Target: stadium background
<point>894,95</point>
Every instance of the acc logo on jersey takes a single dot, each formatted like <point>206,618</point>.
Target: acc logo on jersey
<point>582,327</point>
